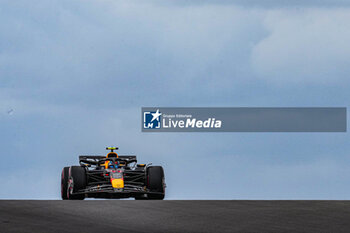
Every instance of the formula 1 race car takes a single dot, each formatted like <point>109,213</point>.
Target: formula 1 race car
<point>112,176</point>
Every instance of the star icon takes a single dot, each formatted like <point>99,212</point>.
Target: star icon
<point>156,115</point>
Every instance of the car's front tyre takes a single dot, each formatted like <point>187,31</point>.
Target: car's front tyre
<point>76,182</point>
<point>156,182</point>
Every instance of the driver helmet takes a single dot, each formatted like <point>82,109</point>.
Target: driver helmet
<point>112,165</point>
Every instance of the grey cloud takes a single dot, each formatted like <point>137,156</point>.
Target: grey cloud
<point>170,50</point>
<point>304,47</point>
<point>63,54</point>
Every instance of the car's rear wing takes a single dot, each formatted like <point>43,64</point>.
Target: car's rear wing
<point>97,159</point>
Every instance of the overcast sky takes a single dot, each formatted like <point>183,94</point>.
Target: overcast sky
<point>75,74</point>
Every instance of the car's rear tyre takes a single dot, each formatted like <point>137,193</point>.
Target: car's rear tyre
<point>76,182</point>
<point>156,182</point>
<point>64,182</point>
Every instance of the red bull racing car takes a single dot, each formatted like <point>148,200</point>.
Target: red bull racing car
<point>112,176</point>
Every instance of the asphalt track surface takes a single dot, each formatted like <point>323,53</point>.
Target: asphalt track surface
<point>174,216</point>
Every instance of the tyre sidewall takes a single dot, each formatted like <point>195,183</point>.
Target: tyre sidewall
<point>64,182</point>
